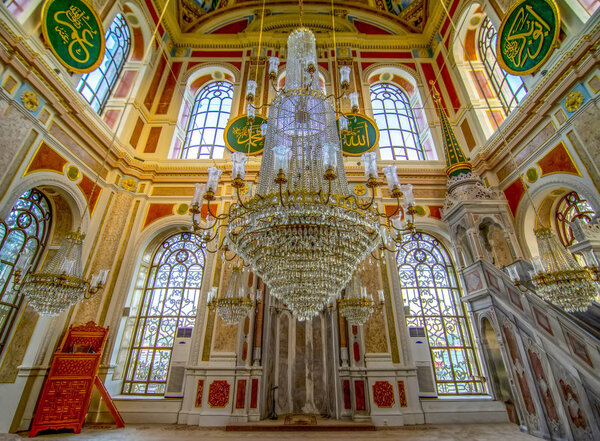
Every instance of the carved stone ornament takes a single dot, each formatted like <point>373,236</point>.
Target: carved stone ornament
<point>574,101</point>
<point>466,187</point>
<point>30,100</point>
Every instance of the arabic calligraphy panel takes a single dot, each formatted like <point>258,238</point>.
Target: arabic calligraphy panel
<point>74,33</point>
<point>528,35</point>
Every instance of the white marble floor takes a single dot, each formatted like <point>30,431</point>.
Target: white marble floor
<point>464,432</point>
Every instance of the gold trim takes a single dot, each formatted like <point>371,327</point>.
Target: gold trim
<point>501,62</point>
<point>48,45</point>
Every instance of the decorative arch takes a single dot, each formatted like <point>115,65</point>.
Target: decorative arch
<point>397,107</point>
<point>432,298</point>
<point>168,301</point>
<point>541,194</point>
<point>23,237</point>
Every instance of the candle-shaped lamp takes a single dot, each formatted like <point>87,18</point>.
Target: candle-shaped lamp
<point>391,177</point>
<point>213,180</point>
<point>329,156</point>
<point>353,101</point>
<point>345,77</point>
<point>273,67</point>
<point>370,164</point>
<point>282,161</point>
<point>250,90</point>
<point>238,171</point>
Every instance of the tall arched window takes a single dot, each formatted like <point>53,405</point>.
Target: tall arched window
<point>204,136</point>
<point>431,293</point>
<point>169,302</point>
<point>398,133</point>
<point>509,89</point>
<point>570,207</point>
<point>26,228</point>
<point>97,85</point>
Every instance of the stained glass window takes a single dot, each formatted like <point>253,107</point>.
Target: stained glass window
<point>97,85</point>
<point>204,137</point>
<point>169,302</point>
<point>509,89</point>
<point>432,300</point>
<point>398,133</point>
<point>570,207</point>
<point>26,228</point>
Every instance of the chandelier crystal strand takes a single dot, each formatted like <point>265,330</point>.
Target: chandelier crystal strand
<point>356,306</point>
<point>558,277</point>
<point>303,233</point>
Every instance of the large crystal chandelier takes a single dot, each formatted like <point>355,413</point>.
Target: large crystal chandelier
<point>60,284</point>
<point>559,278</point>
<point>303,231</point>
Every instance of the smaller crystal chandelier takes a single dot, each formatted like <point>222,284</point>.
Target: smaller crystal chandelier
<point>558,277</point>
<point>235,305</point>
<point>356,306</point>
<point>60,285</point>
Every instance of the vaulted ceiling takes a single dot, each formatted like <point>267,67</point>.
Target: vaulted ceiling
<point>381,21</point>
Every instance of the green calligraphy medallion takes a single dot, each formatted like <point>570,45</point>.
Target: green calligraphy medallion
<point>527,35</point>
<point>74,33</point>
<point>239,137</point>
<point>362,135</point>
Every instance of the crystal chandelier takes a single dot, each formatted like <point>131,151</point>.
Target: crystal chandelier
<point>558,277</point>
<point>59,285</point>
<point>356,306</point>
<point>235,305</point>
<point>303,231</point>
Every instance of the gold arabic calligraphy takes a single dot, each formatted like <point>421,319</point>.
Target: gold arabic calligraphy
<point>251,137</point>
<point>357,136</point>
<point>525,39</point>
<point>78,33</point>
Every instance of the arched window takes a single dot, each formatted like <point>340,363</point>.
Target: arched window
<point>570,207</point>
<point>204,136</point>
<point>26,228</point>
<point>97,85</point>
<point>169,302</point>
<point>509,89</point>
<point>431,294</point>
<point>398,133</point>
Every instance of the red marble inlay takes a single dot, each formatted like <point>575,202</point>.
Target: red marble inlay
<point>240,399</point>
<point>542,320</point>
<point>157,211</point>
<point>573,405</point>
<point>232,28</point>
<point>46,159</point>
<point>218,393</point>
<point>383,394</point>
<point>558,160</point>
<point>402,394</point>
<point>87,185</point>
<point>356,349</point>
<point>514,193</point>
<point>254,394</point>
<point>579,348</point>
<point>199,391</point>
<point>435,211</point>
<point>346,388</point>
<point>359,392</point>
<point>543,388</point>
<point>168,89</point>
